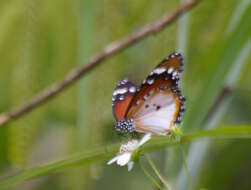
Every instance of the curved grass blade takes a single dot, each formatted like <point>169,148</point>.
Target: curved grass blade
<point>102,154</point>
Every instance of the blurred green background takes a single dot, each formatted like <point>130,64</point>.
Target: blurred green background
<point>41,41</point>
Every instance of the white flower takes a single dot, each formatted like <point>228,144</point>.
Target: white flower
<point>126,151</point>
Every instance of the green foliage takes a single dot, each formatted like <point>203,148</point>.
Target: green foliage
<point>66,139</point>
<point>102,154</point>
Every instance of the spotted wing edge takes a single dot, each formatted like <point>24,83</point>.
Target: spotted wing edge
<point>167,74</point>
<point>122,96</point>
<point>167,69</point>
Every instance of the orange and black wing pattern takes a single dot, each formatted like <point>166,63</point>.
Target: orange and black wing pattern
<point>164,76</point>
<point>122,97</point>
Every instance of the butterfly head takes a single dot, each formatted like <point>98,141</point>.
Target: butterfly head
<point>125,126</point>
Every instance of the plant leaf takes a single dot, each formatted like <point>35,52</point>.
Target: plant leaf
<point>101,153</point>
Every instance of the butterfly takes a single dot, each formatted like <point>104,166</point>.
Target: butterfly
<point>154,107</point>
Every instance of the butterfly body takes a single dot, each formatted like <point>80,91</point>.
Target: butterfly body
<point>156,105</point>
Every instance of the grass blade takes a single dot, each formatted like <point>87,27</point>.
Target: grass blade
<point>102,154</point>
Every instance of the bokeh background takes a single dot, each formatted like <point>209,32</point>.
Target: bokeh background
<point>41,41</point>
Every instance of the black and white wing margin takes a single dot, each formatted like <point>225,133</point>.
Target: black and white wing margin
<point>159,103</point>
<point>122,97</point>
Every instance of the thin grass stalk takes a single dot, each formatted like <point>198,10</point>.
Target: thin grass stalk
<point>186,167</point>
<point>198,151</point>
<point>157,172</point>
<point>181,44</point>
<point>149,176</point>
<point>105,153</point>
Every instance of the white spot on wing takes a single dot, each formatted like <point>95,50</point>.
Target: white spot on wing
<point>159,70</point>
<point>120,91</point>
<point>175,73</point>
<point>170,70</point>
<point>150,81</point>
<point>132,89</point>
<point>145,97</point>
<point>137,103</point>
<point>151,92</point>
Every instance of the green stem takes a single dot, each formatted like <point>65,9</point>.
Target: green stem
<point>149,175</point>
<point>186,168</point>
<point>102,153</point>
<point>157,172</point>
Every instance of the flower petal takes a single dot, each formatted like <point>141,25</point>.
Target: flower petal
<point>124,158</point>
<point>145,138</point>
<point>113,160</point>
<point>130,165</point>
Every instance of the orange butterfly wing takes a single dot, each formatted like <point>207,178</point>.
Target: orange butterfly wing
<point>122,97</point>
<point>166,74</point>
<point>154,107</point>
